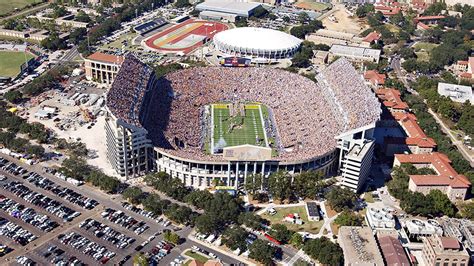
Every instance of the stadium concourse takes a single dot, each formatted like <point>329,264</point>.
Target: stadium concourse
<point>314,125</point>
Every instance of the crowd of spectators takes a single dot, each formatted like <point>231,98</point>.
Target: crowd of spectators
<point>307,114</point>
<point>126,95</point>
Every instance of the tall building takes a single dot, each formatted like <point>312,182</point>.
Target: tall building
<point>101,67</point>
<point>128,148</point>
<point>440,250</point>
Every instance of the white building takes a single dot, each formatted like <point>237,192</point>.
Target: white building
<point>457,93</point>
<point>417,227</point>
<point>379,219</point>
<point>228,7</point>
<point>354,53</point>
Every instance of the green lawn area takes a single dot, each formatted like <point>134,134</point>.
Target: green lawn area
<point>118,43</point>
<point>392,28</point>
<point>368,197</point>
<point>8,6</point>
<point>237,130</point>
<point>308,226</point>
<point>312,5</point>
<point>423,49</point>
<point>10,62</point>
<point>197,256</point>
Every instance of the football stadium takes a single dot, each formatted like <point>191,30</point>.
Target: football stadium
<point>184,37</point>
<point>206,123</point>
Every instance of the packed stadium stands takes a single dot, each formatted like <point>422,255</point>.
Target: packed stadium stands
<point>150,25</point>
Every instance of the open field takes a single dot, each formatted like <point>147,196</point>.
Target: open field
<point>312,5</point>
<point>8,6</point>
<point>344,23</point>
<point>423,50</point>
<point>10,62</point>
<point>307,226</point>
<point>237,129</point>
<point>199,257</point>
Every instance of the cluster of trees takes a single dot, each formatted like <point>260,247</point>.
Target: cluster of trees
<point>181,3</point>
<point>302,58</point>
<point>11,125</point>
<point>348,218</point>
<point>283,186</point>
<point>109,23</point>
<point>82,16</point>
<point>46,81</point>
<point>435,203</point>
<point>340,199</point>
<point>307,26</point>
<point>364,10</point>
<point>262,251</point>
<point>53,42</point>
<point>460,114</point>
<point>324,251</point>
<point>77,168</point>
<point>58,11</point>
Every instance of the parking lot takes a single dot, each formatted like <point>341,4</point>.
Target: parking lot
<point>87,226</point>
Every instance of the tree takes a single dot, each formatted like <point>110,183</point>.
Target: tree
<point>13,96</point>
<point>140,259</point>
<point>262,252</point>
<point>171,237</point>
<point>207,224</point>
<point>260,12</point>
<point>251,220</point>
<point>182,3</point>
<point>153,203</point>
<point>363,10</point>
<point>441,203</point>
<point>75,167</point>
<point>133,194</point>
<point>253,184</point>
<point>308,184</point>
<point>235,238</point>
<point>324,251</point>
<point>341,198</point>
<point>281,233</point>
<point>407,53</point>
<point>348,218</point>
<point>77,35</point>
<point>199,198</point>
<point>82,16</point>
<point>296,240</point>
<point>279,185</point>
<point>466,210</point>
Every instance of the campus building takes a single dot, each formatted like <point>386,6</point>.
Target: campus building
<point>441,250</point>
<point>359,246</point>
<point>457,93</point>
<point>102,68</point>
<point>354,53</point>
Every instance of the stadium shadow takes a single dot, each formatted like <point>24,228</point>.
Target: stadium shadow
<point>157,110</point>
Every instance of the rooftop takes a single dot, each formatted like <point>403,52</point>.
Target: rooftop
<point>359,245</point>
<point>107,58</point>
<point>234,7</point>
<point>354,51</point>
<point>392,251</point>
<point>375,77</point>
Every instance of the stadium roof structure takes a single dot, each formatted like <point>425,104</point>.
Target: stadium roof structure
<point>260,39</point>
<point>106,58</point>
<point>238,8</point>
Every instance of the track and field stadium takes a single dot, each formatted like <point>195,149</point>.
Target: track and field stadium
<point>206,123</point>
<point>184,37</point>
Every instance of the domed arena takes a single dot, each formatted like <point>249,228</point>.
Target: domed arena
<point>206,120</point>
<point>256,42</point>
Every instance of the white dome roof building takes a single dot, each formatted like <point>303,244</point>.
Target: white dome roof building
<point>256,43</point>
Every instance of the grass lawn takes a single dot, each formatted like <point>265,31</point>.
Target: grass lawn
<point>10,62</point>
<point>118,43</point>
<point>308,226</point>
<point>237,129</point>
<point>368,197</point>
<point>392,28</point>
<point>312,5</point>
<point>423,49</point>
<point>199,257</point>
<point>8,6</point>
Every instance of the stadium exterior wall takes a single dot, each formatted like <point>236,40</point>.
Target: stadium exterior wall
<point>260,53</point>
<point>202,174</point>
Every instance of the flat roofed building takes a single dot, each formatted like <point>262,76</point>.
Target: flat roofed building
<point>441,250</point>
<point>455,92</point>
<point>242,9</point>
<point>102,67</point>
<point>446,179</point>
<point>313,211</point>
<point>417,228</point>
<point>393,251</point>
<point>379,219</point>
<point>359,246</point>
<point>354,53</point>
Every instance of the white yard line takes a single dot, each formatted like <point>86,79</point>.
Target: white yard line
<point>263,125</point>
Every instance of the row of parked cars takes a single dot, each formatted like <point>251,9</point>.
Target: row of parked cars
<point>120,218</point>
<point>16,232</point>
<point>141,211</point>
<point>50,205</point>
<point>28,215</point>
<point>162,249</point>
<point>97,252</point>
<point>23,260</point>
<point>58,257</point>
<point>107,233</point>
<point>11,168</point>
<point>65,193</point>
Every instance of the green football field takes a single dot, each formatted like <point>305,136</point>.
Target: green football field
<point>10,62</point>
<point>249,131</point>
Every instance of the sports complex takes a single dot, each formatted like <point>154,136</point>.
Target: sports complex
<point>206,123</point>
<point>184,37</point>
<point>12,62</point>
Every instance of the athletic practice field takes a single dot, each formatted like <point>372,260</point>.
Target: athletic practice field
<point>184,37</point>
<point>6,6</point>
<point>312,5</point>
<point>237,130</point>
<point>10,62</point>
